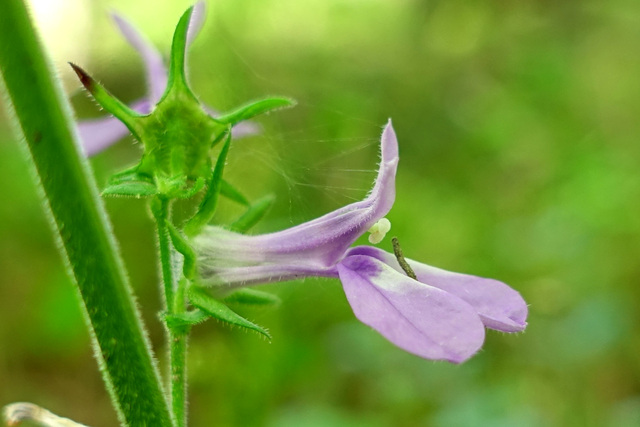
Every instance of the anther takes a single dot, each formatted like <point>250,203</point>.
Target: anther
<point>379,230</point>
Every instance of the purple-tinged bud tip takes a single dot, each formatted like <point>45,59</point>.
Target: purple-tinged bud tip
<point>85,78</point>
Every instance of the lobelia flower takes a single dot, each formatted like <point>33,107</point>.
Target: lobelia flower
<point>99,134</point>
<point>439,315</point>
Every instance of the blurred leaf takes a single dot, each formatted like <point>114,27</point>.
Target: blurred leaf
<point>230,192</point>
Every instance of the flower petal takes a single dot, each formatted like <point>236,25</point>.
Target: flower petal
<point>499,306</point>
<point>316,245</point>
<point>230,277</point>
<point>243,129</point>
<point>197,19</point>
<point>195,25</point>
<point>418,318</point>
<point>99,134</point>
<point>154,66</point>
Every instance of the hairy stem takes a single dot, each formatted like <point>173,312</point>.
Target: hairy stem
<point>179,362</point>
<point>174,304</point>
<point>43,118</point>
<point>160,208</point>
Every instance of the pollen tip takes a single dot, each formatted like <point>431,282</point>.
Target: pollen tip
<point>379,230</point>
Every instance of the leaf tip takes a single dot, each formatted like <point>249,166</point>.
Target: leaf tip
<point>86,80</point>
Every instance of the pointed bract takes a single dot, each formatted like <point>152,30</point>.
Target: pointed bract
<point>98,134</point>
<point>210,200</point>
<point>219,310</point>
<point>113,105</point>
<point>177,60</point>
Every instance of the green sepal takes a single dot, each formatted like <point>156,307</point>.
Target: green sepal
<point>231,193</point>
<point>218,310</point>
<point>136,189</point>
<point>253,215</point>
<point>130,118</point>
<point>256,108</point>
<point>182,245</point>
<point>187,319</point>
<point>210,201</point>
<point>249,296</point>
<point>177,79</point>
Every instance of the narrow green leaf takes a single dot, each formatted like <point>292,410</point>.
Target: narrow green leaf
<point>210,201</point>
<point>256,108</point>
<point>45,124</point>
<point>250,296</point>
<point>218,310</point>
<point>131,189</point>
<point>253,215</point>
<point>231,193</point>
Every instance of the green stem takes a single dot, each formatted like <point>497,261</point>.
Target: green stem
<point>174,304</point>
<point>179,362</point>
<point>160,208</point>
<point>80,223</point>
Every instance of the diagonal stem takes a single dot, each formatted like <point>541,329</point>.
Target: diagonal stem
<point>79,221</point>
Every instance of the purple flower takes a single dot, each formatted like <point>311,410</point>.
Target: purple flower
<point>439,315</point>
<point>99,134</point>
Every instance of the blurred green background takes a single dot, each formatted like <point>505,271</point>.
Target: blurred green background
<point>518,128</point>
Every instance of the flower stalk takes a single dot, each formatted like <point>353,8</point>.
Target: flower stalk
<point>174,304</point>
